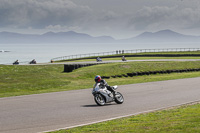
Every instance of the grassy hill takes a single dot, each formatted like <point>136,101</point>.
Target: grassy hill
<point>24,80</point>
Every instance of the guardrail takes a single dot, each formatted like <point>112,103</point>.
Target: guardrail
<point>123,52</point>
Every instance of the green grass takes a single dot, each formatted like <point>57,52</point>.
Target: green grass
<point>149,58</point>
<point>105,58</point>
<point>133,58</point>
<point>184,119</point>
<point>127,67</point>
<point>21,80</point>
<point>24,80</point>
<point>175,53</point>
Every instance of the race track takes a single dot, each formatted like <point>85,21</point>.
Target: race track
<point>51,111</point>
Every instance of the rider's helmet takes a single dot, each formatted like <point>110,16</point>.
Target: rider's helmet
<point>97,78</point>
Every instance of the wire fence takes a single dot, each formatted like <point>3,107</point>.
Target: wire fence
<point>123,52</point>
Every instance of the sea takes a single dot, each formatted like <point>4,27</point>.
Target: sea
<point>43,53</point>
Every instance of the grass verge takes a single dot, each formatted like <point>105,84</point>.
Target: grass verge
<point>191,55</point>
<point>184,119</point>
<point>132,58</point>
<point>25,80</point>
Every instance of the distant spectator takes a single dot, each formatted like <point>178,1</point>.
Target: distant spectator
<point>16,62</point>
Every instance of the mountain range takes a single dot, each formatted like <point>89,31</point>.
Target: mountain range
<point>165,36</point>
<point>74,37</point>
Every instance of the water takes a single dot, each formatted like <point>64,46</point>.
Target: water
<point>45,52</point>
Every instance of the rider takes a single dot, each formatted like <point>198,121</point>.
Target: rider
<point>123,58</point>
<point>16,62</point>
<point>33,61</point>
<point>103,83</point>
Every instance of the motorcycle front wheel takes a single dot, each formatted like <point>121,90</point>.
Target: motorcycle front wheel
<point>99,99</point>
<point>119,99</point>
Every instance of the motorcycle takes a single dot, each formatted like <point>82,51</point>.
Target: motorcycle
<point>32,62</point>
<point>102,95</point>
<point>99,59</point>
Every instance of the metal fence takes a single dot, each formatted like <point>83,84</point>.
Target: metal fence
<point>124,52</point>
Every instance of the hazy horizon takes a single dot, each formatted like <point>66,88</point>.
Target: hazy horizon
<point>115,18</point>
<point>168,31</point>
<point>45,52</point>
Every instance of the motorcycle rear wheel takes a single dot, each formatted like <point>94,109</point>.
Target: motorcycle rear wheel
<point>99,99</point>
<point>119,99</point>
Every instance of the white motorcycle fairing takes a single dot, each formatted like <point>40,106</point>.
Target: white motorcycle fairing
<point>102,95</point>
<point>104,91</point>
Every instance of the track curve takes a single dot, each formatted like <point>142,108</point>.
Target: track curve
<point>51,111</point>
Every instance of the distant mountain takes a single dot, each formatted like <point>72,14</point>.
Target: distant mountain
<point>74,37</point>
<point>52,37</point>
<point>163,36</point>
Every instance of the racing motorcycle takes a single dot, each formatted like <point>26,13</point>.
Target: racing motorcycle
<point>102,95</point>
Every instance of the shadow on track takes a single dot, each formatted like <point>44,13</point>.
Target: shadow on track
<point>94,105</point>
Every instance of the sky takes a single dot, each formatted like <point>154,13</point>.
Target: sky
<point>117,18</point>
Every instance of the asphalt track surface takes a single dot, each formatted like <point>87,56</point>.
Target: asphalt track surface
<point>52,111</point>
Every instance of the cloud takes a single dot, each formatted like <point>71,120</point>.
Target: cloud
<point>55,15</point>
<point>58,28</point>
<point>99,17</point>
<point>164,17</point>
<point>40,13</point>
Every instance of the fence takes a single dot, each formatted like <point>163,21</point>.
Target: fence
<point>124,52</point>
